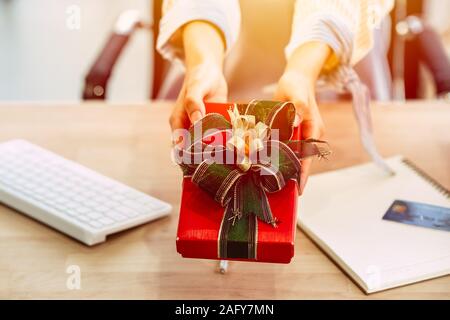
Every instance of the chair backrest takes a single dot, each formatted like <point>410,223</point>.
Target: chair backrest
<point>166,80</point>
<point>159,65</point>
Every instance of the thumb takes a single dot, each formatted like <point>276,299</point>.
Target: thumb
<point>193,102</point>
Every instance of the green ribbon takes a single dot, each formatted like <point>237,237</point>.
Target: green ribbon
<point>243,194</point>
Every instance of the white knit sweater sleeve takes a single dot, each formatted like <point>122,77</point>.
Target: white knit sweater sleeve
<point>224,14</point>
<point>345,25</point>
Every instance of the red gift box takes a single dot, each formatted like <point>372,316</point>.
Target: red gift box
<point>200,219</point>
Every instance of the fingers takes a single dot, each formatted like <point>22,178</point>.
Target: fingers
<point>297,119</point>
<point>298,115</point>
<point>308,117</point>
<point>299,107</point>
<point>304,174</point>
<point>195,108</point>
<point>295,87</point>
<point>189,106</point>
<point>176,121</point>
<point>198,86</point>
<point>196,92</point>
<point>311,128</point>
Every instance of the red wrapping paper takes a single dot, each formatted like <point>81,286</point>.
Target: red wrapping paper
<point>200,218</point>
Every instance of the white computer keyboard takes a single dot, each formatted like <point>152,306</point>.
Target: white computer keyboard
<point>69,197</point>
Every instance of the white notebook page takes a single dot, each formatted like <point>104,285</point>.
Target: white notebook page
<point>342,211</point>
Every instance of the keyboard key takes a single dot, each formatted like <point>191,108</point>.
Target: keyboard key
<point>83,210</point>
<point>106,221</point>
<point>143,200</point>
<point>78,198</point>
<point>101,199</point>
<point>47,201</point>
<point>95,224</point>
<point>112,204</point>
<point>71,213</point>
<point>118,197</point>
<point>50,195</point>
<point>38,197</point>
<point>91,203</point>
<point>72,205</point>
<point>61,208</point>
<point>153,206</point>
<point>127,211</point>
<point>94,215</point>
<point>131,194</point>
<point>134,205</point>
<point>101,208</point>
<point>61,200</point>
<point>116,216</point>
<point>40,191</point>
<point>83,218</point>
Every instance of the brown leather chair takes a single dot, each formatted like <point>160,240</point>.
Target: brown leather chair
<point>97,78</point>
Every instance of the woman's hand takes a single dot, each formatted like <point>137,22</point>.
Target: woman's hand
<point>297,84</point>
<point>204,79</point>
<point>202,82</point>
<point>297,88</point>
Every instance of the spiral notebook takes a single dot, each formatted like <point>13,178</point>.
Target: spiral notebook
<point>342,211</point>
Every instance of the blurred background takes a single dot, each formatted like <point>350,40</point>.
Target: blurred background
<point>45,53</point>
<point>67,50</point>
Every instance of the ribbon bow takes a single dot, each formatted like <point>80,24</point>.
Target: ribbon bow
<point>258,156</point>
<point>247,137</point>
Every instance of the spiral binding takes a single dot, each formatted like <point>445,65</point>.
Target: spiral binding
<point>428,178</point>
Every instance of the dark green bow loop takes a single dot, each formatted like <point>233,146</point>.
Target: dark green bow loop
<point>275,114</point>
<point>210,124</point>
<point>214,168</point>
<point>272,180</point>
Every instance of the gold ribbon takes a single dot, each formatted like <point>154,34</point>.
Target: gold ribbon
<point>247,137</point>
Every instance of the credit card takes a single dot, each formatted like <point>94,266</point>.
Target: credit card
<point>419,214</point>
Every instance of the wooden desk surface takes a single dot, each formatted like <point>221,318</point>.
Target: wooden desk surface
<point>131,143</point>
